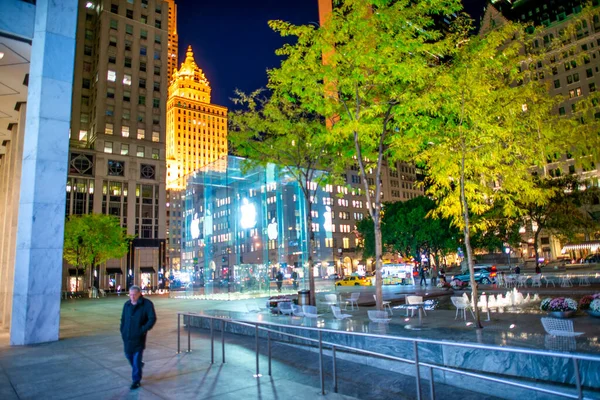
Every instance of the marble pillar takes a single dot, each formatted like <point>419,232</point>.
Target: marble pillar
<point>9,189</point>
<point>39,242</point>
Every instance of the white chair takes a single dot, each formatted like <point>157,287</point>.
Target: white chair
<point>559,327</point>
<point>353,300</point>
<point>522,280</point>
<point>297,311</point>
<point>102,293</point>
<point>385,304</point>
<point>510,281</point>
<point>252,308</point>
<point>583,280</point>
<point>565,281</point>
<point>500,280</point>
<point>462,305</point>
<point>331,300</point>
<point>285,307</point>
<point>548,282</point>
<point>536,280</point>
<point>381,317</point>
<point>414,300</point>
<point>310,311</point>
<point>338,313</point>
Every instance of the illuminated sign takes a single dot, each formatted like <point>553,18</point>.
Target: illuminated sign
<point>248,215</point>
<point>272,230</point>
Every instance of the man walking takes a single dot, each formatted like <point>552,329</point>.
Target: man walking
<point>137,319</point>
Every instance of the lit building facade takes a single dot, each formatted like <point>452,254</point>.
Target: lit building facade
<point>196,136</point>
<point>572,71</point>
<point>173,44</point>
<point>117,148</point>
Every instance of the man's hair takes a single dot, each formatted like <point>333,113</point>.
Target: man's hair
<point>135,287</point>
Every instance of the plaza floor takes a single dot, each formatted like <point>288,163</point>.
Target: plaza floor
<point>87,362</point>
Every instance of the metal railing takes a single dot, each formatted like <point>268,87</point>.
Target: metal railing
<point>267,327</point>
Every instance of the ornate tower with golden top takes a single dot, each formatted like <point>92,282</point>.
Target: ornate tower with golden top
<point>196,129</point>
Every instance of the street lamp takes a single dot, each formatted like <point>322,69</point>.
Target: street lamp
<point>507,250</point>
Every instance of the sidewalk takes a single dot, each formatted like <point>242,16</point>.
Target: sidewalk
<point>88,363</point>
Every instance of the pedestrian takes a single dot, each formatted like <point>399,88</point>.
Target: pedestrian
<point>538,270</point>
<point>295,279</point>
<point>119,290</point>
<point>517,270</point>
<point>434,275</point>
<point>137,319</point>
<point>279,280</point>
<point>422,274</point>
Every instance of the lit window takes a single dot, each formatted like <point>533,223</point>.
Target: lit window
<point>155,154</point>
<point>89,4</point>
<point>124,149</point>
<point>83,135</point>
<point>140,151</point>
<point>108,147</point>
<point>141,134</point>
<point>111,76</point>
<point>125,131</point>
<point>126,79</point>
<point>108,129</point>
<point>155,136</point>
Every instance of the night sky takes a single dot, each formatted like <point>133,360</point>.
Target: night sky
<point>233,44</point>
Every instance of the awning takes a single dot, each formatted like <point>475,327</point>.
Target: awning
<point>591,245</point>
<point>75,271</point>
<point>110,271</point>
<point>147,270</point>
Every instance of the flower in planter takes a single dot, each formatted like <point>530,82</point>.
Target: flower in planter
<point>562,304</point>
<point>595,305</point>
<point>544,304</point>
<point>585,301</point>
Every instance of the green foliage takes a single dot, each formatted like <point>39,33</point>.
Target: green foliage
<point>92,239</point>
<point>364,70</point>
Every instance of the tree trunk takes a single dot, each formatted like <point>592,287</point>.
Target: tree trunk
<point>536,237</point>
<point>311,241</point>
<point>467,234</point>
<point>378,261</point>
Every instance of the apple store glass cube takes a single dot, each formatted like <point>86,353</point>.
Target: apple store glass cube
<point>241,226</point>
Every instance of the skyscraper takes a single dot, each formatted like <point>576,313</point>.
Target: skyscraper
<point>117,150</point>
<point>196,136</point>
<point>173,45</point>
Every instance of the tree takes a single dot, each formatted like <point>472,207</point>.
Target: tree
<point>92,239</point>
<point>278,130</point>
<point>364,70</point>
<point>494,124</point>
<point>564,214</point>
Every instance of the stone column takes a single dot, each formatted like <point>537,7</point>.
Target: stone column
<point>38,261</point>
<point>10,200</point>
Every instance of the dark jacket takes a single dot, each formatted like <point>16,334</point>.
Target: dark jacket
<point>136,321</point>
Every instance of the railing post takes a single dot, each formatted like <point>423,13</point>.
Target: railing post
<point>431,386</point>
<point>417,372</point>
<point>335,383</point>
<point>577,378</point>
<point>257,350</point>
<point>189,334</point>
<point>269,346</point>
<point>178,333</point>
<point>223,339</point>
<point>212,342</point>
<point>321,372</point>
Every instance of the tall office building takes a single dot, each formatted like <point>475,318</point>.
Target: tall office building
<point>117,152</point>
<point>572,72</point>
<point>196,136</point>
<point>173,44</point>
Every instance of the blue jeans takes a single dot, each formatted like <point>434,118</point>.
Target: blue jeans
<point>135,360</point>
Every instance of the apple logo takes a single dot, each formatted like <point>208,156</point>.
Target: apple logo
<point>195,227</point>
<point>327,219</point>
<point>272,230</point>
<point>248,214</point>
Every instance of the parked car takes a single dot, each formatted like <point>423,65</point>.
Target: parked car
<point>354,281</point>
<point>484,274</point>
<point>334,276</point>
<point>592,259</point>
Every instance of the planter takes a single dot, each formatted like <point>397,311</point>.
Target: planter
<point>593,313</point>
<point>562,314</point>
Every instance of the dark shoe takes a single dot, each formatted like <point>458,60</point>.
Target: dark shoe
<point>135,385</point>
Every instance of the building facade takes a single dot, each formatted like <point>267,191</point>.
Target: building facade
<point>196,136</point>
<point>118,124</point>
<point>572,71</point>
